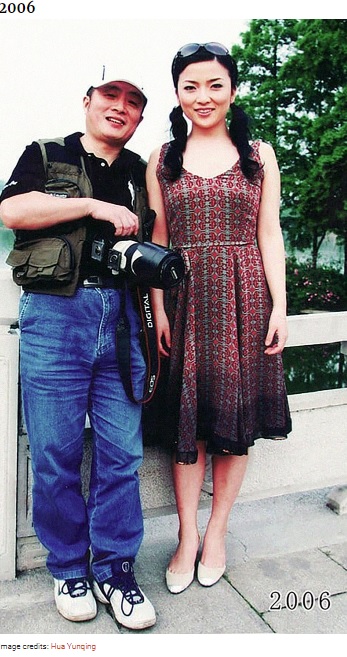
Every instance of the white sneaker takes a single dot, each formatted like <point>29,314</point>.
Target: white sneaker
<point>74,599</point>
<point>130,606</point>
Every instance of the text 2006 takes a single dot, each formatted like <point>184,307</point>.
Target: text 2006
<point>292,600</point>
<point>20,8</point>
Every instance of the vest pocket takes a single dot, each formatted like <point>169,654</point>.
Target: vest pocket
<point>46,261</point>
<point>62,188</point>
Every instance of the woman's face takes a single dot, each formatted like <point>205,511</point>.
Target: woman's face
<point>204,92</point>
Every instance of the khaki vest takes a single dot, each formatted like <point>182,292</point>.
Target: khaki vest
<point>48,261</point>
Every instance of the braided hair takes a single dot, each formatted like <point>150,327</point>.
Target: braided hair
<point>238,127</point>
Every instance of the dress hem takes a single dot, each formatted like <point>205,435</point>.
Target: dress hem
<point>189,458</point>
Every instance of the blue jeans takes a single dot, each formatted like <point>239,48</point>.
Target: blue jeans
<point>69,369</point>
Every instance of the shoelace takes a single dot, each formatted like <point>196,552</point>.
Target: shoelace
<point>76,588</point>
<point>127,584</point>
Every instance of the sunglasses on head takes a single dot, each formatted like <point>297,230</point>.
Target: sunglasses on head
<point>213,47</point>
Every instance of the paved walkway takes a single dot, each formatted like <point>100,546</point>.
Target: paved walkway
<point>286,574</point>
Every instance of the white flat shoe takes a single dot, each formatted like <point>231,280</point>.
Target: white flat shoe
<point>209,576</point>
<point>178,582</point>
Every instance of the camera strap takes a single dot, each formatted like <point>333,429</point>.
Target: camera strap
<point>149,346</point>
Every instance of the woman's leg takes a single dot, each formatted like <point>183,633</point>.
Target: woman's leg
<point>228,474</point>
<point>187,481</point>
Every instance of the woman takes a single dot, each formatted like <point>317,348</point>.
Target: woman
<point>217,200</point>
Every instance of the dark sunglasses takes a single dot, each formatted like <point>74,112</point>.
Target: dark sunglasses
<point>214,48</point>
<point>191,48</point>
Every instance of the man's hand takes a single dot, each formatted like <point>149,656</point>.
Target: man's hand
<point>125,222</point>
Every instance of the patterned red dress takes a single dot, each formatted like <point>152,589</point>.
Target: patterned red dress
<point>222,387</point>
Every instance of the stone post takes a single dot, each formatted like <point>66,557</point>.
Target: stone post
<point>9,347</point>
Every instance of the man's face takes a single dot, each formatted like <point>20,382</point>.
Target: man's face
<point>113,112</point>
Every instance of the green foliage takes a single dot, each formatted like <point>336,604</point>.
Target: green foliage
<point>6,238</point>
<point>314,288</point>
<point>293,84</point>
<point>314,367</point>
<point>265,49</point>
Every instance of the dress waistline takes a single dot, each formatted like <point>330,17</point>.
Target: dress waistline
<point>216,243</point>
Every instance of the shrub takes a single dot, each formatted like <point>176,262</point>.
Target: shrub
<point>323,288</point>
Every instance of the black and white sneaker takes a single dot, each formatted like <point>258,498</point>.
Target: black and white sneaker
<point>74,599</point>
<point>130,606</point>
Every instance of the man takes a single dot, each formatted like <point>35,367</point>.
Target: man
<point>83,197</point>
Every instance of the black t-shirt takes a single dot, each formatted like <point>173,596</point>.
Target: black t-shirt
<point>111,183</point>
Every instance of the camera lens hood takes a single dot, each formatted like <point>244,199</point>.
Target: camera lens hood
<point>146,263</point>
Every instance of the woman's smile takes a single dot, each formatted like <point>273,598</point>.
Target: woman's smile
<point>204,92</point>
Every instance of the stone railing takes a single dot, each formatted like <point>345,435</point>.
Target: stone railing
<point>314,456</point>
<point>315,453</point>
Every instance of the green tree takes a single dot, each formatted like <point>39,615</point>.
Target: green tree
<point>266,46</point>
<point>292,82</point>
<point>317,100</point>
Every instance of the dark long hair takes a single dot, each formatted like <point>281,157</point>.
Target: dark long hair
<point>238,127</point>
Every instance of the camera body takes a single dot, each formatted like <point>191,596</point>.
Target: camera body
<point>143,263</point>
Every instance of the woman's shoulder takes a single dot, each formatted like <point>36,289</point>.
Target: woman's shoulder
<point>264,150</point>
<point>157,156</point>
<point>262,147</point>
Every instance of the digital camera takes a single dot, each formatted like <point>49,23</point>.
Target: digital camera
<point>143,263</point>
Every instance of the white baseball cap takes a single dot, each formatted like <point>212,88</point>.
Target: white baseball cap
<point>113,74</point>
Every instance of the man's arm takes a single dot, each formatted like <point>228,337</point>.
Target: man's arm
<point>35,210</point>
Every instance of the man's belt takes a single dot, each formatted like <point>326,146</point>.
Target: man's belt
<point>102,281</point>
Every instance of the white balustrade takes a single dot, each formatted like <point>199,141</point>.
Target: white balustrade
<point>314,456</point>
